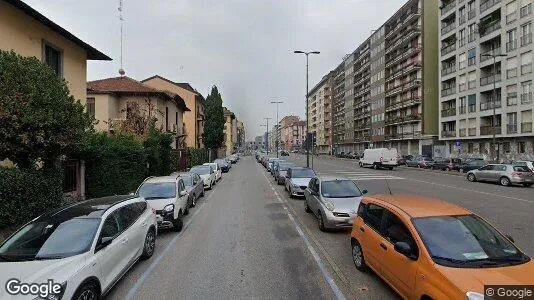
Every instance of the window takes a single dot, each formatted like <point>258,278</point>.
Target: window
<point>472,102</point>
<point>470,148</point>
<point>112,226</point>
<point>128,215</point>
<point>53,57</point>
<point>166,119</point>
<point>471,56</point>
<point>526,8</point>
<point>90,106</point>
<point>526,34</point>
<point>511,67</point>
<point>526,63</point>
<point>472,32</point>
<point>396,232</point>
<point>511,42</point>
<point>472,80</point>
<point>373,216</point>
<point>462,37</point>
<point>506,147</point>
<point>521,147</point>
<point>511,9</point>
<point>462,60</point>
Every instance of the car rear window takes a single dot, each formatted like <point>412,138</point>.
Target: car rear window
<point>521,169</point>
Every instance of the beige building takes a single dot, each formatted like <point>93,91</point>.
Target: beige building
<point>194,119</point>
<point>230,131</point>
<point>320,113</point>
<point>29,33</point>
<point>111,100</point>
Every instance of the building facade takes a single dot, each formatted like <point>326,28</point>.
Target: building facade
<point>385,92</point>
<point>193,119</point>
<point>320,113</point>
<point>230,130</point>
<point>294,135</point>
<point>486,78</point>
<point>240,135</point>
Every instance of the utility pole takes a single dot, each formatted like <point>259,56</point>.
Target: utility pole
<point>277,125</point>
<point>307,113</point>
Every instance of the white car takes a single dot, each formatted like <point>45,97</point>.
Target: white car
<point>217,169</point>
<point>83,249</point>
<point>169,197</point>
<point>207,174</point>
<point>379,158</point>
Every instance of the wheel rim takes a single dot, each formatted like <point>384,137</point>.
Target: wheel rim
<point>87,295</point>
<point>357,255</point>
<point>471,177</point>
<point>150,242</point>
<point>194,202</point>
<point>320,219</point>
<point>504,181</point>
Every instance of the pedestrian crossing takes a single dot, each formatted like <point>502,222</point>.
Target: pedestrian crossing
<point>359,175</point>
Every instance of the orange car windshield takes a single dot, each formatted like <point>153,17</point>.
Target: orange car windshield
<point>466,240</point>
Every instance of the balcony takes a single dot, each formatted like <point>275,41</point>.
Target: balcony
<point>448,91</point>
<point>490,130</point>
<point>472,108</point>
<point>485,5</point>
<point>490,104</point>
<point>511,128</point>
<point>462,19</point>
<point>448,134</point>
<point>526,127</point>
<point>446,8</point>
<point>406,102</point>
<point>448,112</point>
<point>487,29</point>
<point>526,39</point>
<point>472,132</point>
<point>526,98</point>
<point>490,79</point>
<point>525,10</point>
<point>448,49</point>
<point>511,100</point>
<point>511,45</point>
<point>448,28</point>
<point>526,69</point>
<point>496,50</point>
<point>462,110</point>
<point>448,70</point>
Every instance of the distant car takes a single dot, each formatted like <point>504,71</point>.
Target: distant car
<point>269,163</point>
<point>401,160</point>
<point>284,153</point>
<point>447,164</point>
<point>297,180</point>
<point>472,165</point>
<point>275,165</point>
<point>504,174</point>
<point>234,158</point>
<point>194,186</point>
<point>351,155</point>
<point>401,237</point>
<point>333,200</point>
<point>83,248</point>
<point>207,174</point>
<point>216,168</point>
<point>223,164</point>
<point>424,162</point>
<point>379,158</point>
<point>169,197</point>
<point>528,164</point>
<point>281,172</point>
<point>294,151</point>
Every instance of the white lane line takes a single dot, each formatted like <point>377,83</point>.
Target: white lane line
<point>335,289</point>
<point>473,191</point>
<point>170,245</point>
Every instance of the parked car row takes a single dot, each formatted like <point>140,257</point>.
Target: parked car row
<point>349,155</point>
<point>400,236</point>
<point>103,237</point>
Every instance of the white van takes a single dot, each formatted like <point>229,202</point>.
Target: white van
<point>379,158</point>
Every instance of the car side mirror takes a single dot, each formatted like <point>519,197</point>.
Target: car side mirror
<point>404,249</point>
<point>364,192</point>
<point>103,243</point>
<point>510,238</point>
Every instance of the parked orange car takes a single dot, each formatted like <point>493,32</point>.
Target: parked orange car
<point>430,249</point>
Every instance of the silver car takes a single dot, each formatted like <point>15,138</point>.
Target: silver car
<point>297,181</point>
<point>504,174</point>
<point>333,200</point>
<point>193,185</point>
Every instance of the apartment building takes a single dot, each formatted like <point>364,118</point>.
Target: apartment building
<point>486,78</point>
<point>385,92</point>
<point>294,135</point>
<point>320,113</point>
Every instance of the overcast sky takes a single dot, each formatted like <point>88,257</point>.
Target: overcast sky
<point>244,47</point>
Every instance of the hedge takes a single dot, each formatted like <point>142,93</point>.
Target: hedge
<point>197,157</point>
<point>26,194</point>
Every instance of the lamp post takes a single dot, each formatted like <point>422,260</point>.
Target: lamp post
<point>278,125</point>
<point>267,137</point>
<point>493,96</point>
<point>307,115</point>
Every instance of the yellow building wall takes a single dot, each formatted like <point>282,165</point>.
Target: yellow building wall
<point>25,36</point>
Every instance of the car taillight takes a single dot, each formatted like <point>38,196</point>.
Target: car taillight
<point>381,158</point>
<point>515,174</point>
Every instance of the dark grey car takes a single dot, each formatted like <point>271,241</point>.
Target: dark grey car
<point>193,185</point>
<point>280,172</point>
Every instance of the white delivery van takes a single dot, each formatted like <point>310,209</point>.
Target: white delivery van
<point>379,158</point>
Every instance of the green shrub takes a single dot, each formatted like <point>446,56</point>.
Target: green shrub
<point>197,156</point>
<point>158,150</point>
<point>25,194</point>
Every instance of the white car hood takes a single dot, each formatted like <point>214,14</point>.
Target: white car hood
<point>159,204</point>
<point>300,181</point>
<point>39,271</point>
<point>205,177</point>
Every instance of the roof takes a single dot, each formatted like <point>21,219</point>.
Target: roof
<point>127,85</point>
<point>93,208</point>
<point>227,112</point>
<point>92,53</point>
<point>183,85</point>
<point>418,206</point>
<point>331,178</point>
<point>161,179</point>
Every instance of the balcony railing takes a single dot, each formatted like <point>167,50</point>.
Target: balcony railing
<point>488,54</point>
<point>472,84</point>
<point>462,87</point>
<point>526,39</point>
<point>448,49</point>
<point>445,9</point>
<point>490,79</point>
<point>447,28</point>
<point>471,37</point>
<point>463,132</point>
<point>511,73</point>
<point>490,104</point>
<point>511,99</point>
<point>448,91</point>
<point>511,17</point>
<point>487,5</point>
<point>485,30</point>
<point>472,131</point>
<point>472,108</point>
<point>448,70</point>
<point>449,112</point>
<point>487,130</point>
<point>447,134</point>
<point>526,69</point>
<point>525,10</point>
<point>511,128</point>
<point>511,45</point>
<point>462,19</point>
<point>526,98</point>
<point>526,127</point>
<point>462,110</point>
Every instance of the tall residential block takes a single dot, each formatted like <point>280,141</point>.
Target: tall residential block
<point>320,113</point>
<point>486,78</point>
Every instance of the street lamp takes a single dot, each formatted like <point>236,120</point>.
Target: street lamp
<point>493,96</point>
<point>278,125</point>
<point>307,116</point>
<point>267,137</point>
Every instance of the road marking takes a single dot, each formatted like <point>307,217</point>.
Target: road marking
<point>170,245</point>
<point>471,190</point>
<point>335,289</point>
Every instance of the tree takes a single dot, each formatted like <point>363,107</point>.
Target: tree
<point>39,119</point>
<point>213,128</point>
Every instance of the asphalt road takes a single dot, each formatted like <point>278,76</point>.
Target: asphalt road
<point>247,239</point>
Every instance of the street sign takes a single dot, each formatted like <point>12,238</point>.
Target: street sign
<point>458,144</point>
